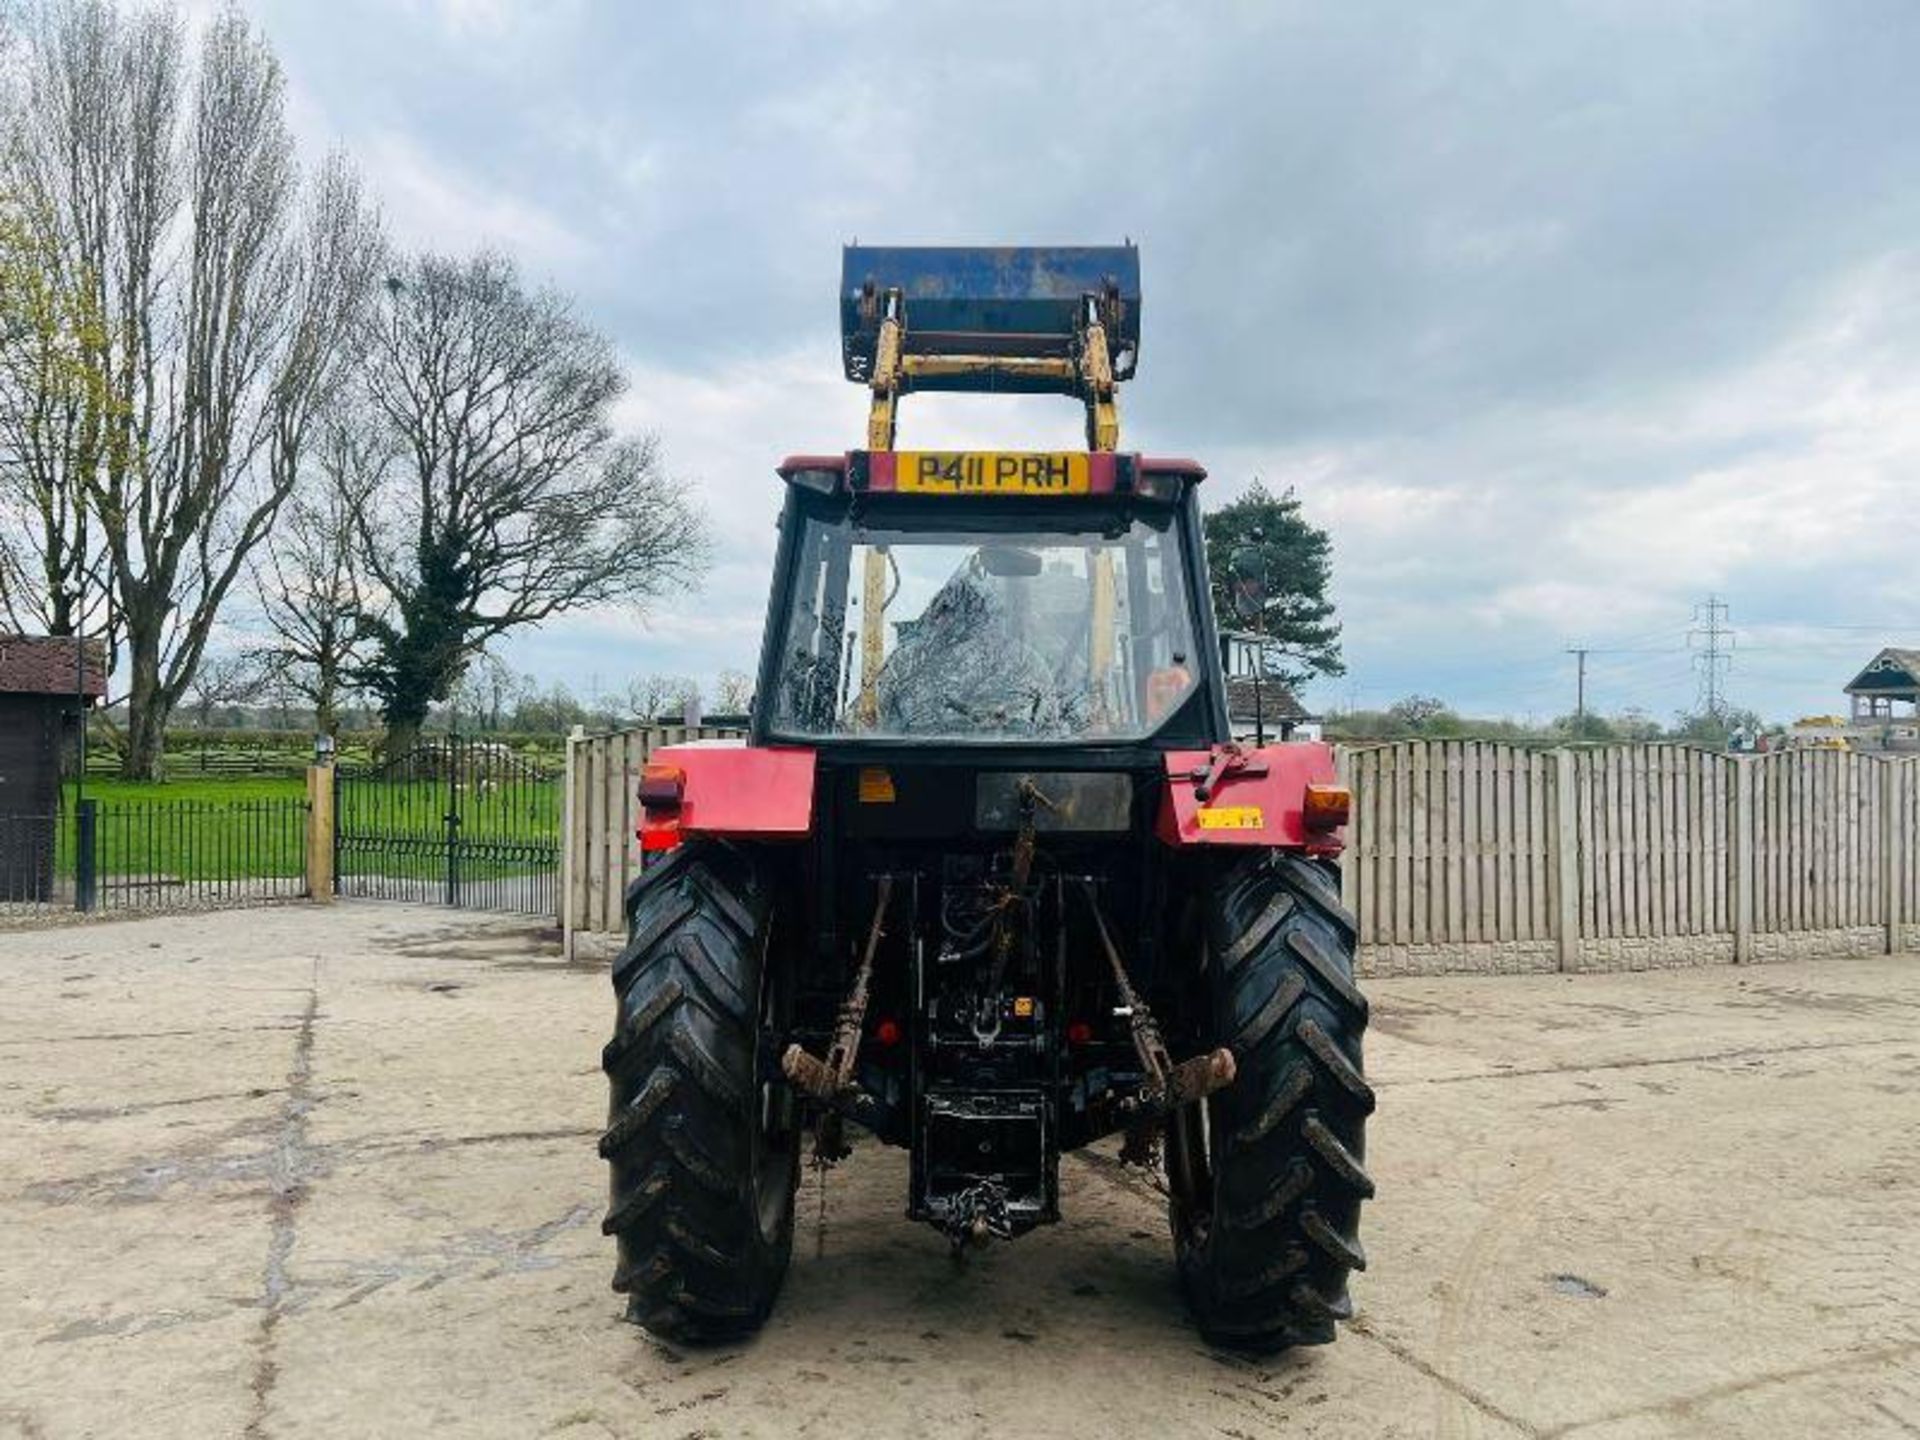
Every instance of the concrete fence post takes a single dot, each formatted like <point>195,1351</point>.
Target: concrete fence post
<point>320,877</point>
<point>1350,859</point>
<point>1745,859</point>
<point>1563,841</point>
<point>569,845</point>
<point>1892,845</point>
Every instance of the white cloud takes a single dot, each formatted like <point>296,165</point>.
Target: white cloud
<point>1575,319</point>
<point>1468,584</point>
<point>429,203</point>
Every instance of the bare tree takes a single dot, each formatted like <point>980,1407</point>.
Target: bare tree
<point>53,409</point>
<point>309,582</point>
<point>224,679</point>
<point>478,700</point>
<point>510,498</point>
<point>653,697</point>
<point>683,694</point>
<point>553,710</point>
<point>495,687</point>
<point>733,692</point>
<point>647,695</point>
<point>226,294</point>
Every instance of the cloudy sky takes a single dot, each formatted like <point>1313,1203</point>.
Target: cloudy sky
<point>1559,317</point>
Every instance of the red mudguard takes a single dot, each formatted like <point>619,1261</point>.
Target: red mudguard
<point>1258,801</point>
<point>736,789</point>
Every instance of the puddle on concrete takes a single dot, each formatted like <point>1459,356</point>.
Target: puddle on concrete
<point>1578,1287</point>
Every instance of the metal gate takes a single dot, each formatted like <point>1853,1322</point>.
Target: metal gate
<point>454,822</point>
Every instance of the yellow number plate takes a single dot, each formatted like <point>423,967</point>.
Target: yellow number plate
<point>1232,817</point>
<point>991,472</point>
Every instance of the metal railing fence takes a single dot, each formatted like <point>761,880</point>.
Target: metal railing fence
<point>154,855</point>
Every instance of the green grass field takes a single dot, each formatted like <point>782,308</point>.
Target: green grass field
<point>206,790</point>
<point>190,832</point>
<point>199,830</point>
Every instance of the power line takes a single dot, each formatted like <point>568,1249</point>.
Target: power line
<point>1637,645</point>
<point>1715,656</point>
<point>1669,661</point>
<point>1666,632</point>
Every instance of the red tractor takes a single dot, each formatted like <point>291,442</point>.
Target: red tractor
<point>990,877</point>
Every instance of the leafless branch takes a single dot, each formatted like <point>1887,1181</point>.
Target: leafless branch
<point>510,499</point>
<point>227,294</point>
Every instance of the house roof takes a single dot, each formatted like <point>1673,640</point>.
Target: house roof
<point>1277,701</point>
<point>46,665</point>
<point>1893,671</point>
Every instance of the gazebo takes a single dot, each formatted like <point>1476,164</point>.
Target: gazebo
<point>1891,680</point>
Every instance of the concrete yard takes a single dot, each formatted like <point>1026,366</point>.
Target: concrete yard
<point>302,1172</point>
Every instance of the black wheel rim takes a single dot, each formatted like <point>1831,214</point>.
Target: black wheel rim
<point>775,1137</point>
<point>1189,1165</point>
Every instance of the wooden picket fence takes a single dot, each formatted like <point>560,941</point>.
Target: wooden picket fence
<point>600,816</point>
<point>1469,854</point>
<point>1628,854</point>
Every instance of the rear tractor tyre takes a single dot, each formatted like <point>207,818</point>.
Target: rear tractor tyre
<point>704,1151</point>
<point>1266,1178</point>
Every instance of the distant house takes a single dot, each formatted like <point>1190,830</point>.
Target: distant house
<point>44,682</point>
<point>1885,700</point>
<point>1891,680</point>
<point>1280,709</point>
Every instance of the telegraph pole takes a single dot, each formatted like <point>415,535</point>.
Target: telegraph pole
<point>1714,653</point>
<point>1579,652</point>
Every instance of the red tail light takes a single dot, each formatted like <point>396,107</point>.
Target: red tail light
<point>887,1032</point>
<point>661,790</point>
<point>659,832</point>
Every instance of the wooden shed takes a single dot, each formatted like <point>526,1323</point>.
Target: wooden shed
<point>45,681</point>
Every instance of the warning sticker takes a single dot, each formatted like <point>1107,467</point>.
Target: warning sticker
<point>876,786</point>
<point>1232,817</point>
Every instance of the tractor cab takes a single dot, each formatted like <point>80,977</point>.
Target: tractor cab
<point>915,606</point>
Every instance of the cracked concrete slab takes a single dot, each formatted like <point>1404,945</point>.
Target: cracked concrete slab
<point>300,1172</point>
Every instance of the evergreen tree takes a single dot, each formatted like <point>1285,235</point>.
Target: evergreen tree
<point>1281,564</point>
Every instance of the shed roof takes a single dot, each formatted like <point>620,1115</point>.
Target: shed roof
<point>1277,700</point>
<point>1893,671</point>
<point>46,665</point>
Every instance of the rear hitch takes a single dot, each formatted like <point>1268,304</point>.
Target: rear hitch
<point>976,1215</point>
<point>1168,1086</point>
<point>1189,1081</point>
<point>830,1082</point>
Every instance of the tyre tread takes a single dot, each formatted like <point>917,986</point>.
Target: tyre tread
<point>692,1258</point>
<point>1269,1267</point>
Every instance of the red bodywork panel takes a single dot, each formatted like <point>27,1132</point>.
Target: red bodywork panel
<point>736,789</point>
<point>1261,802</point>
<point>766,791</point>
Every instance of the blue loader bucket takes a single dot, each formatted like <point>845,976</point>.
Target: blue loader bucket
<point>990,300</point>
